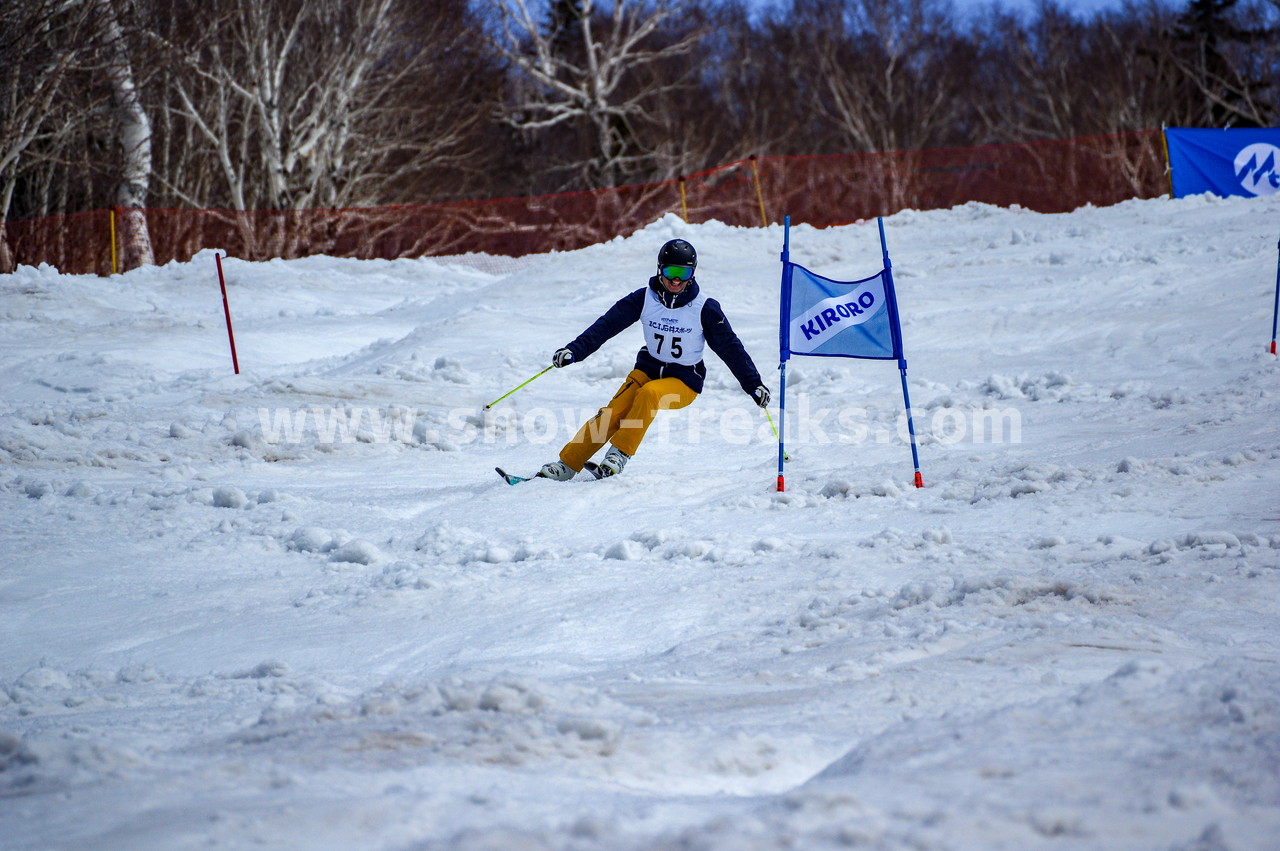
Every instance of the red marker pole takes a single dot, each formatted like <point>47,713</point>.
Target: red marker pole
<point>226,309</point>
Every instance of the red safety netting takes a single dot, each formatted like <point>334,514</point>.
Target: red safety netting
<point>1046,177</point>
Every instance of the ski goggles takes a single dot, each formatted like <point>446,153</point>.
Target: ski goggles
<point>676,273</point>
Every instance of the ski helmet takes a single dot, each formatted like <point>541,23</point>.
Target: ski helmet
<point>677,252</point>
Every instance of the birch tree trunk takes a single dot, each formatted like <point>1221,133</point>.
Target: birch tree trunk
<point>134,136</point>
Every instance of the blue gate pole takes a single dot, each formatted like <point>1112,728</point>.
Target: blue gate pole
<point>1275,312</point>
<point>915,456</point>
<point>782,424</point>
<point>897,345</point>
<point>784,346</point>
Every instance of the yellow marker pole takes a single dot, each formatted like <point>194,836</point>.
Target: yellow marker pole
<point>684,205</point>
<point>114,267</point>
<point>764,222</point>
<point>1168,163</point>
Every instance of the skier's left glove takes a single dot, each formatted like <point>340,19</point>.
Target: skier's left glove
<point>761,395</point>
<point>562,357</point>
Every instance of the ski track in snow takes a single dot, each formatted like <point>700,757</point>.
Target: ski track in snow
<point>218,631</point>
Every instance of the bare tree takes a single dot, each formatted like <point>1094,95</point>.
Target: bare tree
<point>326,103</point>
<point>1119,68</point>
<point>581,71</point>
<point>133,130</point>
<point>41,44</point>
<point>742,95</point>
<point>890,73</point>
<point>1226,56</point>
<point>1059,75</point>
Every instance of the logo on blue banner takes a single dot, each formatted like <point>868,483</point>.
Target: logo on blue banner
<point>1242,161</point>
<point>1258,168</point>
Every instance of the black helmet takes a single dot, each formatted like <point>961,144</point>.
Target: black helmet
<point>677,252</point>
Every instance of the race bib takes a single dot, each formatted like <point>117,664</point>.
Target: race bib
<point>673,334</point>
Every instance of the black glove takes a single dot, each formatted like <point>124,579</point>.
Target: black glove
<point>564,357</point>
<point>761,395</point>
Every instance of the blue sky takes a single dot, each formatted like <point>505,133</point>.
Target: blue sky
<point>1086,7</point>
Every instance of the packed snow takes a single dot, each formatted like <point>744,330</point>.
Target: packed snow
<point>297,608</point>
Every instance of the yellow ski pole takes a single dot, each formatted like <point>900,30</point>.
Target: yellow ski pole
<point>508,393</point>
<point>785,455</point>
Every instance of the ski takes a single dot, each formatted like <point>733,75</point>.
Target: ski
<point>512,479</point>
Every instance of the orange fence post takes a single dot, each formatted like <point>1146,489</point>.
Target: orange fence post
<point>755,172</point>
<point>114,266</point>
<point>1168,164</point>
<point>684,204</point>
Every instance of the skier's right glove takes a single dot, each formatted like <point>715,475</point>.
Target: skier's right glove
<point>761,395</point>
<point>562,357</point>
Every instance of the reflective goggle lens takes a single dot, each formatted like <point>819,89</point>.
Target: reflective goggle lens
<point>677,273</point>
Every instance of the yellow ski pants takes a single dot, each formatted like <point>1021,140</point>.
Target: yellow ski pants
<point>624,421</point>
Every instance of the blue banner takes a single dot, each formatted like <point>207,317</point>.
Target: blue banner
<point>1242,161</point>
<point>839,319</point>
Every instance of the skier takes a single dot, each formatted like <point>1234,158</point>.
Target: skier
<point>677,321</point>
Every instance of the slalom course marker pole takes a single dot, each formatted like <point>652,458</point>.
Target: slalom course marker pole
<point>915,455</point>
<point>514,389</point>
<point>902,361</point>
<point>226,310</point>
<point>1275,312</point>
<point>782,430</point>
<point>783,353</point>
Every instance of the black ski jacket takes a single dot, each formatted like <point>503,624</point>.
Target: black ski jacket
<point>715,327</point>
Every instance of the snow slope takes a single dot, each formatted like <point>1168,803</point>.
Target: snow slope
<point>295,608</point>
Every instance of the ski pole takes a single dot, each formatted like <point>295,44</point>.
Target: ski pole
<point>514,389</point>
<point>785,455</point>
